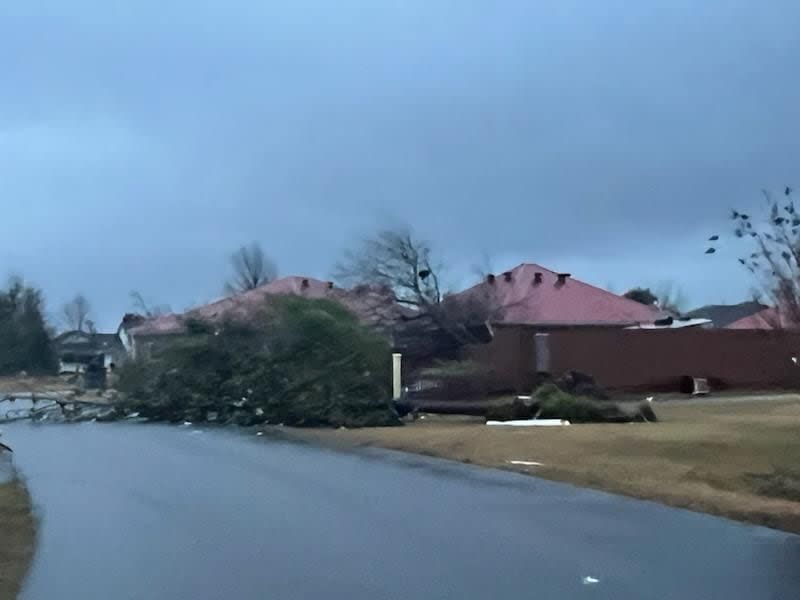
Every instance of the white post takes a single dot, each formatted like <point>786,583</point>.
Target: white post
<point>397,382</point>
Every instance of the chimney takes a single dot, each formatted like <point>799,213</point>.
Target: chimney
<point>562,278</point>
<point>507,275</point>
<point>490,279</point>
<point>304,283</point>
<point>537,278</point>
<point>330,285</point>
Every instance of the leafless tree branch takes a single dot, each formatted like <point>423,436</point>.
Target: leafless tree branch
<point>76,313</point>
<point>775,259</point>
<point>251,268</point>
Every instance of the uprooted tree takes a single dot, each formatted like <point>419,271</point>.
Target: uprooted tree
<point>300,361</point>
<point>396,261</point>
<point>251,268</point>
<point>774,257</point>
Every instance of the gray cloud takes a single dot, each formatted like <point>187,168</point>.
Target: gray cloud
<point>141,142</point>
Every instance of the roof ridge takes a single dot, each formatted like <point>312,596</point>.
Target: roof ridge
<point>585,284</point>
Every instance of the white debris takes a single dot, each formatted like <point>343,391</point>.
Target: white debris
<point>259,433</point>
<point>259,412</point>
<point>649,398</point>
<point>590,580</point>
<point>531,423</point>
<point>187,423</point>
<point>527,463</point>
<point>133,415</point>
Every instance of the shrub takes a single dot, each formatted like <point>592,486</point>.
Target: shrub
<point>557,404</point>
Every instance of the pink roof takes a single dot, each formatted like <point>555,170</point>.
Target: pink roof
<point>765,319</point>
<point>368,303</point>
<point>517,298</point>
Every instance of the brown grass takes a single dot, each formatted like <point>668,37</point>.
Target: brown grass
<point>16,538</point>
<point>738,458</point>
<point>40,384</point>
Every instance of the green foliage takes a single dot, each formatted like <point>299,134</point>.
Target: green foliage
<point>642,296</point>
<point>25,343</point>
<point>300,362</point>
<point>555,403</point>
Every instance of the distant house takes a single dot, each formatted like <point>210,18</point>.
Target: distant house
<point>727,316</point>
<point>76,349</point>
<point>141,335</point>
<point>767,318</point>
<point>533,295</point>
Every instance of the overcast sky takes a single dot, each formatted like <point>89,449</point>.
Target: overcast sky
<point>141,142</point>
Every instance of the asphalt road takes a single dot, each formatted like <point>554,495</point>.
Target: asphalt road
<point>151,512</point>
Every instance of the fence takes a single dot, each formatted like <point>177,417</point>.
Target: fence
<point>643,359</point>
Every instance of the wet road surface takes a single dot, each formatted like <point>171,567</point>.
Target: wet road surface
<point>154,512</point>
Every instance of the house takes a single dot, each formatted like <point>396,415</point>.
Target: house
<point>727,315</point>
<point>767,318</point>
<point>530,294</point>
<point>76,349</point>
<point>372,305</point>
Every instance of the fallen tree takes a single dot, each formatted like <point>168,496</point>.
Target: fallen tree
<point>301,362</point>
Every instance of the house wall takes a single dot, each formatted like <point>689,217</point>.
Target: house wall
<point>641,359</point>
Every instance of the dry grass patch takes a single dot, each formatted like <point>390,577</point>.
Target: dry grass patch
<point>16,538</point>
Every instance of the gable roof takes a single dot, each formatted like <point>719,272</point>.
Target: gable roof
<point>723,315</point>
<point>370,304</point>
<point>519,296</point>
<point>75,341</point>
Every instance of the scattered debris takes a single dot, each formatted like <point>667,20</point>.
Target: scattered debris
<point>590,580</point>
<point>700,385</point>
<point>531,423</point>
<point>526,463</point>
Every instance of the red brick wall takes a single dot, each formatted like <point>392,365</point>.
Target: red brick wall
<point>649,359</point>
<point>509,355</point>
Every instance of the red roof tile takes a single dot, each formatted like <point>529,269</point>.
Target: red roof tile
<point>516,297</point>
<point>368,303</point>
<point>765,319</point>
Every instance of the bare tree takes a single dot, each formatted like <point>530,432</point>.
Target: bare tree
<point>398,262</point>
<point>402,266</point>
<point>774,254</point>
<point>251,268</point>
<point>146,308</point>
<point>76,313</point>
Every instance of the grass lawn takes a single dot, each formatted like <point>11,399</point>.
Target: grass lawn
<point>735,457</point>
<point>16,538</point>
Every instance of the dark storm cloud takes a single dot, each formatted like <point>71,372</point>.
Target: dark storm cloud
<point>141,142</point>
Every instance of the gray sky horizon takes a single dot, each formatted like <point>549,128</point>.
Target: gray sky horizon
<point>143,142</point>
